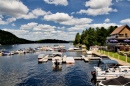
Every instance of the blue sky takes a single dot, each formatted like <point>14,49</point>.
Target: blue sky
<point>60,19</point>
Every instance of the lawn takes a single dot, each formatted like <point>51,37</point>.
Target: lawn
<point>115,55</point>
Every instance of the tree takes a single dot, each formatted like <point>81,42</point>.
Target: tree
<point>77,39</point>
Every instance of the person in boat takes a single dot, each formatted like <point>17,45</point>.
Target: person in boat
<point>56,63</point>
<point>93,80</point>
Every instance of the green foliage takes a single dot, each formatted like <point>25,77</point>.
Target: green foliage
<point>94,36</point>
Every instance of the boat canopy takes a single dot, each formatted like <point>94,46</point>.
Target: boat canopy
<point>109,62</point>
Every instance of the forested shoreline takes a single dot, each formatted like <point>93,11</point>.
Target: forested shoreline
<point>93,36</point>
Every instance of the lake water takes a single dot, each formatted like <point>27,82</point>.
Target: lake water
<point>24,70</point>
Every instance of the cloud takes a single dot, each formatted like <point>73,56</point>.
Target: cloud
<point>13,8</point>
<point>33,26</point>
<point>57,2</point>
<point>58,17</point>
<point>98,7</point>
<point>44,27</point>
<point>13,24</point>
<point>2,22</point>
<point>125,21</point>
<point>65,19</point>
<point>107,20</point>
<point>9,20</point>
<point>28,26</point>
<point>34,14</point>
<point>86,26</point>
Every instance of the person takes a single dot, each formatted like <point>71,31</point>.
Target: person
<point>56,63</point>
<point>93,80</point>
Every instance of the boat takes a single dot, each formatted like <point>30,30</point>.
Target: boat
<point>74,48</point>
<point>6,53</point>
<point>89,53</point>
<point>70,60</point>
<point>57,58</point>
<point>107,69</point>
<point>42,58</point>
<point>118,81</point>
<point>20,51</point>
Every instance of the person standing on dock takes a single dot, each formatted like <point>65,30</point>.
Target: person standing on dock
<point>94,79</point>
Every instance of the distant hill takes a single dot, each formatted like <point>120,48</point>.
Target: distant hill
<point>51,41</point>
<point>7,38</point>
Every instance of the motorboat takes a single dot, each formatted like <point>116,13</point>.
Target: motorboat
<point>70,60</point>
<point>42,58</point>
<point>74,48</point>
<point>21,51</point>
<point>107,69</point>
<point>6,53</point>
<point>57,58</point>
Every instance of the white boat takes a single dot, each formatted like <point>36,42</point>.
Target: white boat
<point>89,53</point>
<point>20,51</point>
<point>109,69</point>
<point>42,58</point>
<point>70,60</point>
<point>74,48</point>
<point>57,57</point>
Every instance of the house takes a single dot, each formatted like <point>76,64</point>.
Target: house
<point>119,37</point>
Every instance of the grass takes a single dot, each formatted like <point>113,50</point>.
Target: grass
<point>115,55</point>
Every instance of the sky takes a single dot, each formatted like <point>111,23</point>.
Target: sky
<point>60,19</point>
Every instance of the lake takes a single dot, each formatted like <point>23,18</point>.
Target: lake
<point>24,70</point>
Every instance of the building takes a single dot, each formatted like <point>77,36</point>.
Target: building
<point>119,37</point>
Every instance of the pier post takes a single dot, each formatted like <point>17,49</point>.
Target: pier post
<point>113,55</point>
<point>125,57</point>
<point>118,56</point>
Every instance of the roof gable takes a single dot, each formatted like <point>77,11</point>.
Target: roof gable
<point>119,29</point>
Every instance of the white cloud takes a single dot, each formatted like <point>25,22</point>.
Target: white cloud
<point>9,20</point>
<point>58,17</point>
<point>2,22</point>
<point>57,2</point>
<point>65,19</point>
<point>44,27</point>
<point>76,21</point>
<point>34,14</point>
<point>85,26</point>
<point>125,21</point>
<point>98,7</point>
<point>40,12</point>
<point>13,24</point>
<point>107,20</point>
<point>28,26</point>
<point>13,8</point>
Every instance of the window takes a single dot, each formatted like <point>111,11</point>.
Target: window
<point>126,35</point>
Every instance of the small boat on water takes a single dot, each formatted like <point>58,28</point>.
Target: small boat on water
<point>57,57</point>
<point>6,53</point>
<point>70,60</point>
<point>20,51</point>
<point>42,58</point>
<point>107,69</point>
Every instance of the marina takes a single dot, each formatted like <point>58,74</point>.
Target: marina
<point>56,61</point>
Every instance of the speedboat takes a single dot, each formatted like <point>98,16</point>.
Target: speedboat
<point>70,60</point>
<point>57,58</point>
<point>108,69</point>
<point>42,58</point>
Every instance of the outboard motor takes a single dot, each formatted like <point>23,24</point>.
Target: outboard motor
<point>94,79</point>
